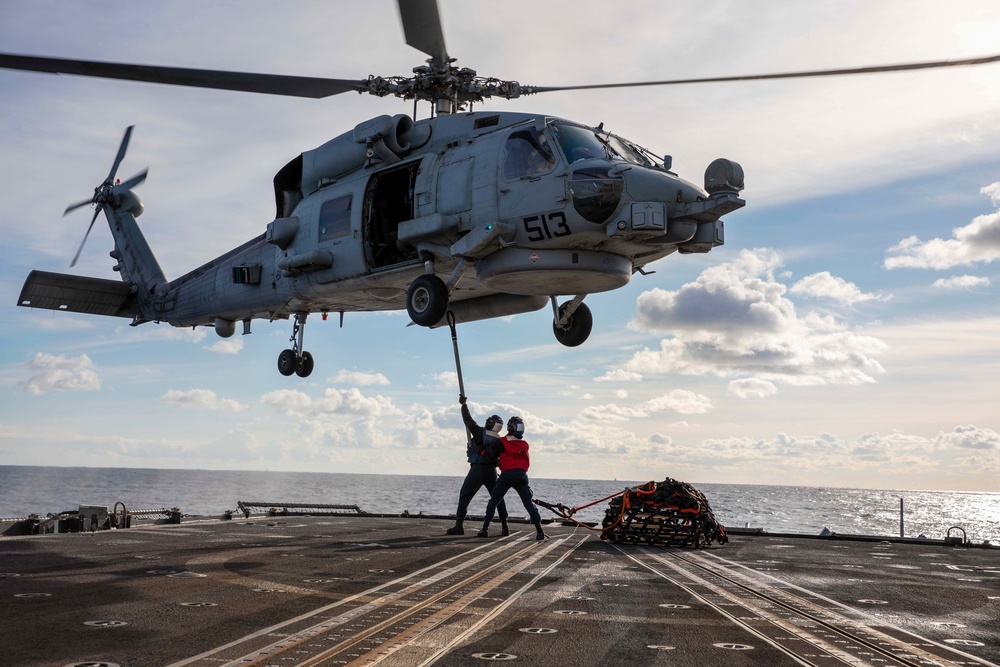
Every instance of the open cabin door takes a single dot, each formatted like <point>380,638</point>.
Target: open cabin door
<point>388,201</point>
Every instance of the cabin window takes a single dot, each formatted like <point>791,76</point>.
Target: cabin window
<point>527,153</point>
<point>335,218</point>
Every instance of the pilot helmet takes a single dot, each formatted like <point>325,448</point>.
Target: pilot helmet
<point>493,423</point>
<point>515,427</point>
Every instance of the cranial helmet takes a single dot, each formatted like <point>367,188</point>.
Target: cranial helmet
<point>493,423</point>
<point>515,427</point>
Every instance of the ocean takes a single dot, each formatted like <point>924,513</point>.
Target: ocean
<point>777,509</point>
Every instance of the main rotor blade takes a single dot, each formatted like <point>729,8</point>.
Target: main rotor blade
<point>785,75</point>
<point>135,180</point>
<point>422,27</point>
<point>92,220</point>
<point>270,84</point>
<point>121,153</point>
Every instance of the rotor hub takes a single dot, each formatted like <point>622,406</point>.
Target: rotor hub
<point>442,81</point>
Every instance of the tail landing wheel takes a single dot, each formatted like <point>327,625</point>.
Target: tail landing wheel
<point>296,360</point>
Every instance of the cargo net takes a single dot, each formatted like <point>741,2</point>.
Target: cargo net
<point>667,514</point>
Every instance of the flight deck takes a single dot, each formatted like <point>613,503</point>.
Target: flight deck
<point>354,590</point>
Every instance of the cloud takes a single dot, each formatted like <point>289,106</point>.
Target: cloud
<point>444,380</point>
<point>966,449</point>
<point>333,401</point>
<point>619,375</point>
<point>979,241</point>
<point>970,437</point>
<point>163,333</point>
<point>961,282</point>
<point>202,398</point>
<point>58,373</point>
<point>287,401</point>
<point>231,346</point>
<point>447,379</point>
<point>359,379</point>
<point>821,451</point>
<point>680,401</point>
<point>752,388</point>
<point>826,286</point>
<point>738,296</point>
<point>353,402</point>
<point>735,321</point>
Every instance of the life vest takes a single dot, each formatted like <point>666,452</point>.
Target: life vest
<point>514,455</point>
<point>483,445</point>
<point>486,452</point>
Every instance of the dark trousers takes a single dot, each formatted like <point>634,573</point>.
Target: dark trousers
<point>511,479</point>
<point>480,475</point>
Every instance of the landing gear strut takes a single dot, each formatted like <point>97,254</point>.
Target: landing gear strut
<point>296,360</point>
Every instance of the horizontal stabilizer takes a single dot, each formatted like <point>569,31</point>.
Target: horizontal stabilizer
<point>78,294</point>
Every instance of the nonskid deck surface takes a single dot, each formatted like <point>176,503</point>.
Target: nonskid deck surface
<point>398,591</point>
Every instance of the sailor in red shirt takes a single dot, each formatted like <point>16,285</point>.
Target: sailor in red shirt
<point>514,462</point>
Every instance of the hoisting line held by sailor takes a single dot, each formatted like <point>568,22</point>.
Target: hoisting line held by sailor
<point>450,318</point>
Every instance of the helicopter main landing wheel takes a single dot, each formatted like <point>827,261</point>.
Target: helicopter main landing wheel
<point>427,300</point>
<point>287,362</point>
<point>295,359</point>
<point>305,366</point>
<point>577,329</point>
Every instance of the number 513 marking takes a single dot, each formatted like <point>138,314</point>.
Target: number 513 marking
<point>542,231</point>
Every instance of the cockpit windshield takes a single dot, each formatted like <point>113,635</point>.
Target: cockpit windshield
<point>579,143</point>
<point>633,153</point>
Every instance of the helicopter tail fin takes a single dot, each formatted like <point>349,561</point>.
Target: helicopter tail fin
<point>136,263</point>
<point>138,295</point>
<point>143,286</point>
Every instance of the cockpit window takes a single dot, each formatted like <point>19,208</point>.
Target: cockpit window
<point>579,143</point>
<point>527,154</point>
<point>633,153</point>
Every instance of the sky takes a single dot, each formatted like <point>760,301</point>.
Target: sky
<point>847,333</point>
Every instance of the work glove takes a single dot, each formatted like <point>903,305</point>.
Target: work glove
<point>461,399</point>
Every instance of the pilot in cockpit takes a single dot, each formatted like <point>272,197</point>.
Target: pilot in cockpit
<point>528,154</point>
<point>581,153</point>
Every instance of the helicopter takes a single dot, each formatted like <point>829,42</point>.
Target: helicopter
<point>480,214</point>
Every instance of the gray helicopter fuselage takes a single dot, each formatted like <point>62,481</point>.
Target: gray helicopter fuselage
<point>533,206</point>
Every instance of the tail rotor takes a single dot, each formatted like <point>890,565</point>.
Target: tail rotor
<point>104,194</point>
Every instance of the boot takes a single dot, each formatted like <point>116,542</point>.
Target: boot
<point>539,534</point>
<point>504,530</point>
<point>485,532</point>
<point>456,529</point>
